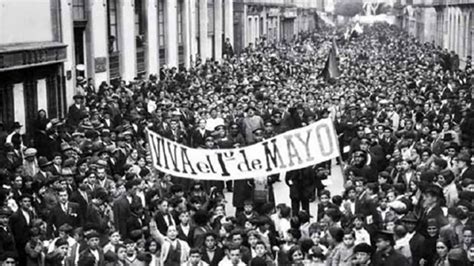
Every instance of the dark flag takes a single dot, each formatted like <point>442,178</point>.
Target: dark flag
<point>331,69</point>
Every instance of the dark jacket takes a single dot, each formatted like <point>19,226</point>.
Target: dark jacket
<point>392,258</point>
<point>122,211</point>
<point>218,256</point>
<point>58,217</point>
<point>417,246</point>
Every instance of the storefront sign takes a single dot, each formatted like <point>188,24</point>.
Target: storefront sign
<point>292,150</point>
<point>273,12</point>
<point>290,13</point>
<point>100,64</point>
<point>21,57</point>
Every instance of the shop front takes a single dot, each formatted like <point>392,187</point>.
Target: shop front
<point>31,79</point>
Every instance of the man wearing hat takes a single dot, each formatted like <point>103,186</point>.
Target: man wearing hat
<point>416,240</point>
<point>7,240</point>
<point>20,224</point>
<point>386,254</point>
<point>362,255</point>
<point>432,195</point>
<point>221,138</point>
<point>250,123</point>
<point>30,165</point>
<point>77,111</point>
<point>235,136</point>
<point>466,170</point>
<point>43,174</point>
<point>92,252</point>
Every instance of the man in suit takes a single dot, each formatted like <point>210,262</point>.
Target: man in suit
<point>432,209</point>
<point>185,229</point>
<point>81,196</point>
<point>20,224</point>
<point>121,207</point>
<point>93,252</point>
<point>7,241</point>
<point>103,180</point>
<point>77,111</point>
<point>211,252</point>
<point>163,218</point>
<point>43,174</point>
<point>176,133</point>
<point>64,212</point>
<point>417,240</point>
<point>466,170</point>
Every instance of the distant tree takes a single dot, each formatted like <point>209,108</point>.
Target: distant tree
<point>348,8</point>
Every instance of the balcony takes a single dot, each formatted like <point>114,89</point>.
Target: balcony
<point>423,2</point>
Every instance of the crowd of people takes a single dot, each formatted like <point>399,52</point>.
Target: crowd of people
<point>82,190</point>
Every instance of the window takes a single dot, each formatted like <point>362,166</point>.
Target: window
<point>79,10</point>
<point>210,16</point>
<point>196,25</point>
<point>161,23</point>
<point>180,21</point>
<point>197,21</point>
<point>112,21</point>
<point>139,23</point>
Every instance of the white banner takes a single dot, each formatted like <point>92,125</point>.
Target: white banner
<point>291,150</point>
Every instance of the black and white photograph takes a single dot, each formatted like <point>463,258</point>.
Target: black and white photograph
<point>236,133</point>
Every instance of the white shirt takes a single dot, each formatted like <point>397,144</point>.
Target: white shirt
<point>185,229</point>
<point>95,252</point>
<point>27,216</point>
<point>226,262</point>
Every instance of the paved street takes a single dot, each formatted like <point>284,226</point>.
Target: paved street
<point>334,183</point>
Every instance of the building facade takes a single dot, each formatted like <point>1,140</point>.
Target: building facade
<point>275,20</point>
<point>447,23</point>
<point>45,45</point>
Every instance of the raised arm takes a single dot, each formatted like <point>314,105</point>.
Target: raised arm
<point>155,233</point>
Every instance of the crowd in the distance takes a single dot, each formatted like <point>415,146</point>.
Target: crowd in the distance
<point>82,190</point>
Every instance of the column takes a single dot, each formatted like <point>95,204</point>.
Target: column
<point>229,20</point>
<point>171,40</point>
<point>127,43</point>
<point>67,36</point>
<point>456,32</point>
<point>98,45</point>
<point>187,36</point>
<point>42,95</point>
<point>152,36</point>
<point>218,29</point>
<point>246,31</point>
<point>452,32</point>
<point>257,28</point>
<point>203,38</point>
<point>19,104</point>
<point>193,30</point>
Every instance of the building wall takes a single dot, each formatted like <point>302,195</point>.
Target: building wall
<point>35,23</point>
<point>113,39</point>
<point>33,55</point>
<point>447,23</point>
